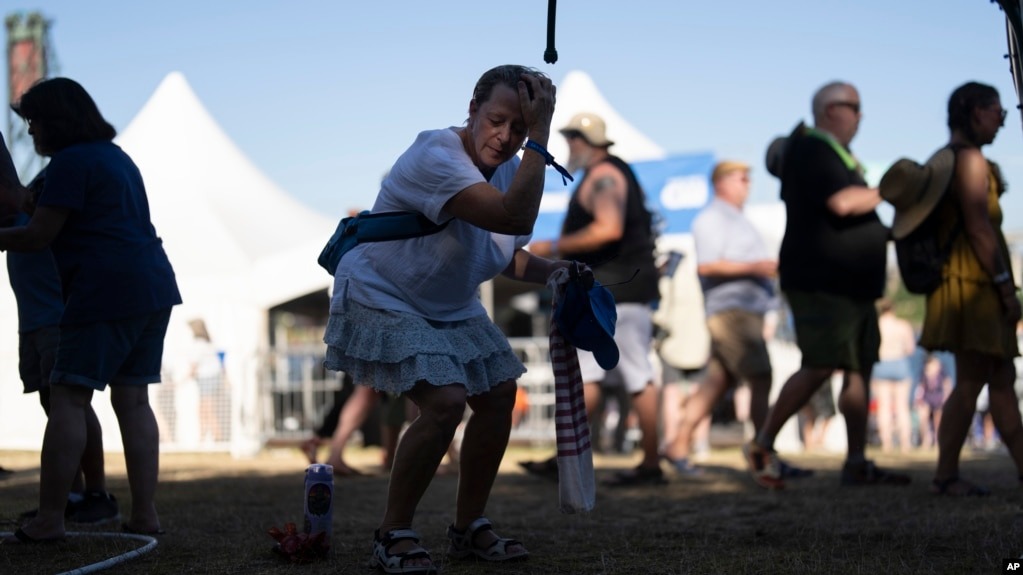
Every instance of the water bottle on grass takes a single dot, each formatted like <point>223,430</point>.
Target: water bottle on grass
<point>319,501</point>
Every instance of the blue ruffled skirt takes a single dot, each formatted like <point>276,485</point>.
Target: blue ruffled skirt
<point>392,351</point>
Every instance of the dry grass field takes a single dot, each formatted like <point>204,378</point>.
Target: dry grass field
<point>217,511</point>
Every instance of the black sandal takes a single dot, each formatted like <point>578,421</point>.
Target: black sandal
<point>637,476</point>
<point>548,468</point>
<point>966,489</point>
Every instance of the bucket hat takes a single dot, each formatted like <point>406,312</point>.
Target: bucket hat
<point>914,189</point>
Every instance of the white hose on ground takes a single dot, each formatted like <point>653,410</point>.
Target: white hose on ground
<point>150,544</point>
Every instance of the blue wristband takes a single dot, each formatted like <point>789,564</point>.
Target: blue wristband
<point>549,160</point>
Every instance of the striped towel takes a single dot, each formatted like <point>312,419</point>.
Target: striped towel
<point>575,456</point>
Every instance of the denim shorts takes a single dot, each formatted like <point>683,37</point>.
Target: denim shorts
<point>898,369</point>
<point>122,352</point>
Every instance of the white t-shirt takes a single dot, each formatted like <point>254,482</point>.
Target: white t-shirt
<point>435,276</point>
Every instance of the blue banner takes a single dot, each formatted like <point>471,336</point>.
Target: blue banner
<point>676,188</point>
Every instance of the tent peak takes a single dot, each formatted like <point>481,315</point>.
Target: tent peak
<point>579,93</point>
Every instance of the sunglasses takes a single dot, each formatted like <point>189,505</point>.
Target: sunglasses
<point>854,106</point>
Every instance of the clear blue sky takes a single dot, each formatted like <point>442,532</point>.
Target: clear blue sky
<point>323,95</point>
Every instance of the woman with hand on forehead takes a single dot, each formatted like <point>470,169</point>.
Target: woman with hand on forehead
<point>405,316</point>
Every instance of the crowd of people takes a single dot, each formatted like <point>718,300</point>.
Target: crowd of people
<point>831,273</point>
<point>406,322</point>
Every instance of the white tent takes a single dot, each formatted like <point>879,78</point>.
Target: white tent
<point>239,246</point>
<point>577,93</point>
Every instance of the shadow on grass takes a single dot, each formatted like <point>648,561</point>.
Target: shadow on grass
<point>217,511</point>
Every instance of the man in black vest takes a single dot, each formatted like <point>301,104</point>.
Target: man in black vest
<point>609,228</point>
<point>832,270</point>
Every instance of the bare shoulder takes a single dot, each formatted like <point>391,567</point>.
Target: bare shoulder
<point>971,173</point>
<point>970,161</point>
<point>606,170</point>
<point>606,178</point>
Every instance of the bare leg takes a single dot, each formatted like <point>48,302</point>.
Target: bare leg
<point>353,414</point>
<point>798,389</point>
<point>697,408</point>
<point>483,446</point>
<point>760,393</point>
<point>853,403</point>
<point>592,395</point>
<point>957,415</point>
<point>903,421</point>
<point>645,405</point>
<point>63,445</point>
<point>672,403</point>
<point>91,475</point>
<point>700,438</point>
<point>141,438</point>
<point>924,415</point>
<point>1004,411</point>
<point>419,452</point>
<point>389,437</point>
<point>93,466</point>
<point>421,449</point>
<point>885,412</point>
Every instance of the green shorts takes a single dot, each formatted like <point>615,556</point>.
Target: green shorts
<point>835,331</point>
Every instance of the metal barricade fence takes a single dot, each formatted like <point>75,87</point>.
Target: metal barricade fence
<point>296,392</point>
<point>537,426</point>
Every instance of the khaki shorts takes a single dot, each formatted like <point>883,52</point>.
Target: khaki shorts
<point>737,342</point>
<point>835,332</point>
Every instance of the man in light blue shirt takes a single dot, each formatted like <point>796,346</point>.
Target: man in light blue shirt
<point>737,276</point>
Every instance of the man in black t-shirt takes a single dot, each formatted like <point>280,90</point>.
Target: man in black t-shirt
<point>832,269</point>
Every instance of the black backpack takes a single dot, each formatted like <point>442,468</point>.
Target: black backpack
<point>921,258</point>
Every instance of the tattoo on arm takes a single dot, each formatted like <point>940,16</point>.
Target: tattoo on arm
<point>602,185</point>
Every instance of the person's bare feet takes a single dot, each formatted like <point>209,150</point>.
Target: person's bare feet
<point>37,531</point>
<point>342,469</point>
<point>309,447</point>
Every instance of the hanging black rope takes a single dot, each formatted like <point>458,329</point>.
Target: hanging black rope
<point>550,55</point>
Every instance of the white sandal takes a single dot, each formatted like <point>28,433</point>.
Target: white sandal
<point>395,562</point>
<point>462,545</point>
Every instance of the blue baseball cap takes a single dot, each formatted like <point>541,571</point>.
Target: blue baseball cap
<point>586,318</point>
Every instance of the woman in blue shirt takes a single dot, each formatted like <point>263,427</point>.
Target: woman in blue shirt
<point>118,288</point>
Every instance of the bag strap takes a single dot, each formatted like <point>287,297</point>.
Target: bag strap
<point>385,226</point>
<point>957,209</point>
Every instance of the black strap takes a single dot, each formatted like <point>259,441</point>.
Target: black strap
<point>957,209</point>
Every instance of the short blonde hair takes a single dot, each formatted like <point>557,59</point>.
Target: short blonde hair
<point>726,167</point>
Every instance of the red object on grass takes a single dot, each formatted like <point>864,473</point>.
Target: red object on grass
<point>297,546</point>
